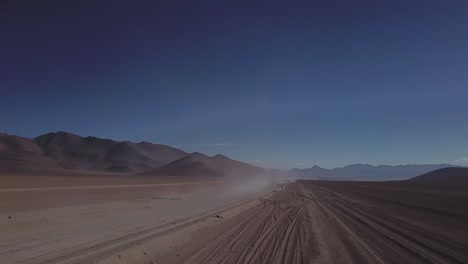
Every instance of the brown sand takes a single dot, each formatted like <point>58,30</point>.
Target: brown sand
<point>62,223</point>
<point>304,222</point>
<point>322,222</point>
<point>326,222</point>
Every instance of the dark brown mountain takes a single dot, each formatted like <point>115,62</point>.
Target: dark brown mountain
<point>197,164</point>
<point>63,150</point>
<point>453,176</point>
<point>18,148</point>
<point>18,154</point>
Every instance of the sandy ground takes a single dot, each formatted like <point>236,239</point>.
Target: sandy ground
<point>324,222</point>
<point>303,222</point>
<point>79,223</point>
<point>89,179</point>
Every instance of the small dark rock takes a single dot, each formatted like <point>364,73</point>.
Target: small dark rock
<point>9,216</point>
<point>218,216</point>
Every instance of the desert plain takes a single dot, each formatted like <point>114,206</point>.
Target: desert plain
<point>105,219</point>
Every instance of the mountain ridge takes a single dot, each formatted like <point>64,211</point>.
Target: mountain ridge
<point>202,165</point>
<point>366,171</point>
<point>450,176</point>
<point>63,150</point>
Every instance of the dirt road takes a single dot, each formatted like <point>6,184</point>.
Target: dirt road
<point>312,222</point>
<point>303,222</point>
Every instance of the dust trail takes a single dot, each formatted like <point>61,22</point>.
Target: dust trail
<point>315,222</point>
<point>247,187</point>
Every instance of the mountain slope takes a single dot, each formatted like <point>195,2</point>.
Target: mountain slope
<point>452,176</point>
<point>18,148</point>
<point>21,154</point>
<point>63,150</point>
<point>197,164</point>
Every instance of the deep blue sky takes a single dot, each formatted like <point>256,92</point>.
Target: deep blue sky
<point>283,83</point>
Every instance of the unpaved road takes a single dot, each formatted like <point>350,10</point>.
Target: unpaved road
<point>303,222</point>
<point>314,222</point>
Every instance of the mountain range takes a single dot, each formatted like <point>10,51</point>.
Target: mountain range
<point>366,171</point>
<point>63,152</point>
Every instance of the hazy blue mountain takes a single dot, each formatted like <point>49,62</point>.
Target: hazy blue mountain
<point>366,171</point>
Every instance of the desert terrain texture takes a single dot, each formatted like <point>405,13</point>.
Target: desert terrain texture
<point>71,199</point>
<point>158,221</point>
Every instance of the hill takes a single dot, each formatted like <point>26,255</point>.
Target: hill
<point>197,164</point>
<point>453,176</point>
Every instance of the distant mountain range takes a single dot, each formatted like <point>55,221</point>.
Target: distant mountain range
<point>63,152</point>
<point>366,172</point>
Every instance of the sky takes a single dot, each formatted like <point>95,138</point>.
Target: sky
<point>276,83</point>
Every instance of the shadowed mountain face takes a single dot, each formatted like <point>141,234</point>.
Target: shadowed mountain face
<point>197,164</point>
<point>14,147</point>
<point>453,176</point>
<point>63,150</point>
<point>19,152</point>
<point>367,172</point>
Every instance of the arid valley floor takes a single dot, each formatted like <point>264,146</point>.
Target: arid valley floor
<point>149,221</point>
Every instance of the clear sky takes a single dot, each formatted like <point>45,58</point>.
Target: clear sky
<point>278,83</point>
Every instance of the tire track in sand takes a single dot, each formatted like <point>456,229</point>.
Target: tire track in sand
<point>308,223</point>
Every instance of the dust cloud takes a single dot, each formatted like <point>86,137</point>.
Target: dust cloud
<point>250,186</point>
